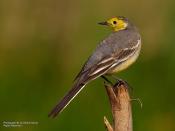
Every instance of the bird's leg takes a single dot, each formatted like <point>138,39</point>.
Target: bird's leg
<point>121,82</point>
<point>106,79</point>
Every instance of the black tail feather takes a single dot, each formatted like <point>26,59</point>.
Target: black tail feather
<point>66,100</point>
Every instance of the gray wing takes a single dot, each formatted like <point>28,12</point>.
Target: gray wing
<point>117,45</point>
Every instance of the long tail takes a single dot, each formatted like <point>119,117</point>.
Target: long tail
<point>66,100</point>
<point>82,79</point>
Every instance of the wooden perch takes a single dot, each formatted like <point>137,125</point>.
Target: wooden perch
<point>121,107</point>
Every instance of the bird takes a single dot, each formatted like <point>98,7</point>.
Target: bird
<point>115,53</point>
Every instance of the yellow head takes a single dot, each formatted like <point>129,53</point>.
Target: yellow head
<point>117,23</point>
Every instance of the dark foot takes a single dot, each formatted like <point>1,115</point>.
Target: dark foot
<point>122,82</point>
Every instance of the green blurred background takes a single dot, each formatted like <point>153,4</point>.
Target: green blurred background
<point>43,45</point>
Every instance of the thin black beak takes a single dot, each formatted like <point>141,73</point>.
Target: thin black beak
<point>103,23</point>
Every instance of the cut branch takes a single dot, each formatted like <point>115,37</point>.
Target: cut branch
<point>121,108</point>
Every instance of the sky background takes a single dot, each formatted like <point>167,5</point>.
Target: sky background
<point>43,45</point>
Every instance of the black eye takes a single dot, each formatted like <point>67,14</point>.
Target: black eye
<point>114,22</point>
